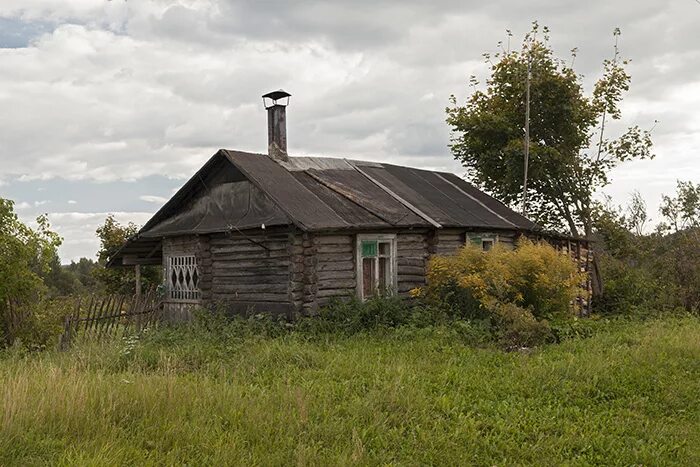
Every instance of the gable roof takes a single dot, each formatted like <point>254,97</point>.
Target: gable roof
<point>237,190</point>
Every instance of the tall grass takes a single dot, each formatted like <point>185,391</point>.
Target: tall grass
<point>628,395</point>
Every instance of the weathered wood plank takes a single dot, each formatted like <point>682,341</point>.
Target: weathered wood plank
<point>329,275</point>
<point>418,239</point>
<point>252,297</point>
<point>219,263</point>
<point>336,266</point>
<point>405,287</point>
<point>252,279</point>
<point>415,278</point>
<point>265,246</point>
<point>220,286</point>
<point>234,274</point>
<point>328,257</point>
<point>328,293</point>
<point>413,253</point>
<point>250,255</point>
<point>334,249</point>
<point>334,240</point>
<point>411,270</point>
<point>252,240</point>
<point>336,284</point>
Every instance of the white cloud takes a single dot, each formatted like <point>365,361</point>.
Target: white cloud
<point>153,199</point>
<point>72,201</point>
<point>78,230</point>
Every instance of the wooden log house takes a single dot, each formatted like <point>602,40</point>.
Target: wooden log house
<point>269,233</point>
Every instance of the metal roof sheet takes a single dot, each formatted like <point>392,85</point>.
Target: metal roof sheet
<point>240,190</point>
<point>303,207</point>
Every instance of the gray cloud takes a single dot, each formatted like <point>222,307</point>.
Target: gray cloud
<point>139,94</point>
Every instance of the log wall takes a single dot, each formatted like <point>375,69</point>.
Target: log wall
<point>334,267</point>
<point>289,271</point>
<point>413,250</point>
<point>324,266</point>
<point>250,272</point>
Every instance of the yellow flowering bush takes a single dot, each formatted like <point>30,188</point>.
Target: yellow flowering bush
<point>533,276</point>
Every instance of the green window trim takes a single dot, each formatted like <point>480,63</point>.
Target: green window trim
<point>369,248</point>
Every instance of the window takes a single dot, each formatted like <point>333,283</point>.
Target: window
<point>182,278</point>
<point>376,258</point>
<point>486,243</point>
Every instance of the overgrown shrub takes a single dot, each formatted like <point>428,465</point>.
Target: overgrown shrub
<point>38,323</point>
<point>516,327</point>
<point>533,276</point>
<point>630,290</point>
<point>25,256</point>
<point>351,316</point>
<point>517,290</point>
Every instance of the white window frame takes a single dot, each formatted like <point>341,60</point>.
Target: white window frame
<point>393,269</point>
<point>183,293</point>
<point>490,240</point>
<point>487,237</point>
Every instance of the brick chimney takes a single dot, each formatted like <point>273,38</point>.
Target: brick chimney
<point>276,104</point>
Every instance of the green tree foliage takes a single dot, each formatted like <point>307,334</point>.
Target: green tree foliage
<point>677,256</point>
<point>26,255</point>
<point>72,279</point>
<point>681,211</point>
<point>570,153</point>
<point>112,237</point>
<point>653,272</point>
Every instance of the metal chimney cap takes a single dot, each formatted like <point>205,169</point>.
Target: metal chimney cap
<point>275,96</point>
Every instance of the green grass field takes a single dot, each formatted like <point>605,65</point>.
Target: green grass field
<point>628,395</point>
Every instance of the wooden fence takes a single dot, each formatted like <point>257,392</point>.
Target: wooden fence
<point>100,317</point>
<point>12,316</point>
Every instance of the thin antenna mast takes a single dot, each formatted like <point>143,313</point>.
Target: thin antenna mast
<point>527,128</point>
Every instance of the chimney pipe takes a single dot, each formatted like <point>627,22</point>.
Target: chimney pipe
<point>276,104</point>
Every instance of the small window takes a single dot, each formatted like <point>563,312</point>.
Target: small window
<point>376,258</point>
<point>182,278</point>
<point>486,243</point>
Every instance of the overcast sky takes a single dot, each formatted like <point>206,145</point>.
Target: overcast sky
<point>108,106</point>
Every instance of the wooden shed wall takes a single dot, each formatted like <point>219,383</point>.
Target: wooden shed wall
<point>450,240</point>
<point>324,269</point>
<point>251,271</point>
<point>324,266</point>
<point>286,270</point>
<point>412,249</point>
